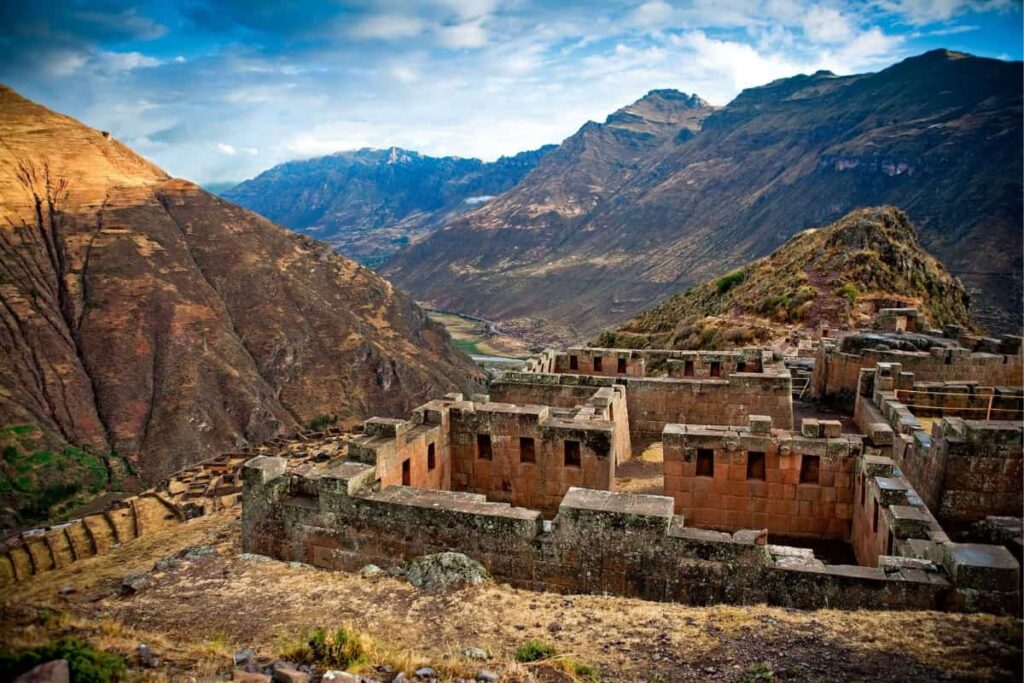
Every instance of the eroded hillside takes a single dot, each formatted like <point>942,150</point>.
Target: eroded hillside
<point>143,317</point>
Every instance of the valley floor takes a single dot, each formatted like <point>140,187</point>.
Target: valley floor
<point>195,614</point>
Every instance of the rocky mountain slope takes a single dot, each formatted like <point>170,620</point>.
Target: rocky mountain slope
<point>938,135</point>
<point>143,317</point>
<point>370,203</point>
<point>835,276</point>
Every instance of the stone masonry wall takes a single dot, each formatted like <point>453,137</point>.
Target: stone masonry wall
<point>600,542</point>
<point>728,496</point>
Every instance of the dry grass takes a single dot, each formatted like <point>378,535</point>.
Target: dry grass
<point>195,616</point>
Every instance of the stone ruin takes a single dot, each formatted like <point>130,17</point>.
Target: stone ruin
<point>919,510</point>
<point>523,480</point>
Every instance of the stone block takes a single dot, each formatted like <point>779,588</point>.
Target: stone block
<point>263,469</point>
<point>810,427</point>
<point>760,424</point>
<point>910,521</point>
<point>831,429</point>
<point>982,567</point>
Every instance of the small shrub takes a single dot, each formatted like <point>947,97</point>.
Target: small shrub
<point>10,454</point>
<point>321,421</point>
<point>727,282</point>
<point>849,292</point>
<point>86,663</point>
<point>534,651</point>
<point>342,649</point>
<point>756,672</point>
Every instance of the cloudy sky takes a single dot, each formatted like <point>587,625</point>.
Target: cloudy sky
<point>218,91</point>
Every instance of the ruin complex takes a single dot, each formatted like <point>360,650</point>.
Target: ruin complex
<point>910,499</point>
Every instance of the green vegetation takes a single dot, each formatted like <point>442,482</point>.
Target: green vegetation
<point>537,651</point>
<point>42,477</point>
<point>760,671</point>
<point>321,421</point>
<point>86,663</point>
<point>342,649</point>
<point>849,291</point>
<point>727,282</point>
<point>534,651</point>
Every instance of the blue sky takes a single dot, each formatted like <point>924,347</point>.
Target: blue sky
<point>218,91</point>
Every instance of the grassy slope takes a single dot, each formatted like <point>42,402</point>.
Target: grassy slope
<point>196,615</point>
<point>824,276</point>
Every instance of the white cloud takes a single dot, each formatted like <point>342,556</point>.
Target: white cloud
<point>114,62</point>
<point>404,74</point>
<point>225,148</point>
<point>826,25</point>
<point>470,34</point>
<point>656,14</point>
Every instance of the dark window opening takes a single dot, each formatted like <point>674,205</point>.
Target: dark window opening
<point>755,465</point>
<point>483,446</point>
<point>705,462</point>
<point>431,458</point>
<point>741,367</point>
<point>574,363</point>
<point>716,368</point>
<point>572,453</point>
<point>688,368</point>
<point>809,469</point>
<point>622,366</point>
<point>406,473</point>
<point>888,544</point>
<point>863,490</point>
<point>611,412</point>
<point>874,519</point>
<point>527,451</point>
<point>598,364</point>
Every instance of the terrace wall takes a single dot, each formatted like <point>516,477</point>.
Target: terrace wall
<point>600,542</point>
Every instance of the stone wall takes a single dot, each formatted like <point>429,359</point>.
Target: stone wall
<point>654,402</point>
<point>599,542</point>
<point>527,455</point>
<point>836,372</point>
<point>805,487</point>
<point>965,470</point>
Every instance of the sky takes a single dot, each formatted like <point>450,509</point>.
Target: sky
<point>217,92</point>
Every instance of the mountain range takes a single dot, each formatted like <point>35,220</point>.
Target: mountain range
<point>670,192</point>
<point>146,324</point>
<point>370,203</point>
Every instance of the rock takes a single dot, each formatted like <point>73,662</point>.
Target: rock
<point>67,590</point>
<point>243,676</point>
<point>146,658</point>
<point>196,552</point>
<point>133,583</point>
<point>370,570</point>
<point>51,672</point>
<point>486,676</point>
<point>425,673</point>
<point>554,627</point>
<point>166,564</point>
<point>286,673</point>
<point>474,653</point>
<point>340,677</point>
<point>445,570</point>
<point>400,678</point>
<point>253,557</point>
<point>245,655</point>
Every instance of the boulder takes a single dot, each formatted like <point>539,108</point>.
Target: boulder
<point>243,676</point>
<point>445,570</point>
<point>286,673</point>
<point>51,672</point>
<point>133,583</point>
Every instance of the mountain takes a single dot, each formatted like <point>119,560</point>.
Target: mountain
<point>938,135</point>
<point>151,324</point>
<point>371,202</point>
<point>835,276</point>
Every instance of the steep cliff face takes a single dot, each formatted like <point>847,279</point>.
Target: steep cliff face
<point>937,135</point>
<point>143,316</point>
<point>370,203</point>
<point>836,276</point>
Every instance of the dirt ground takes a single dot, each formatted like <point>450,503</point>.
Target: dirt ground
<point>196,615</point>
